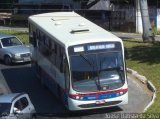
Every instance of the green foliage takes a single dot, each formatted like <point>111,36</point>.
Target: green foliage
<point>145,58</point>
<point>23,36</point>
<point>155,31</point>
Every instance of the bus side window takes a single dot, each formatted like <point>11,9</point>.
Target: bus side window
<point>37,32</point>
<point>53,56</point>
<point>44,39</point>
<point>37,37</point>
<point>58,59</point>
<point>55,48</point>
<point>62,57</point>
<point>33,38</point>
<point>40,37</point>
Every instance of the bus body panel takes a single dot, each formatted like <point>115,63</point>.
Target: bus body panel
<point>68,22</point>
<point>74,104</point>
<point>51,71</point>
<point>60,30</point>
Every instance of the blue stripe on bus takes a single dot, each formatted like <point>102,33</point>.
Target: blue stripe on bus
<point>100,96</point>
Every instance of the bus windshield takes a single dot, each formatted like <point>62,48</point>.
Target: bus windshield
<point>97,71</point>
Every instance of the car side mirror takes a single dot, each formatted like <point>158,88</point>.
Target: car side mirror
<point>16,110</point>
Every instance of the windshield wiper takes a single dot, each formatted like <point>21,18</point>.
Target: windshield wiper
<point>86,59</point>
<point>92,65</point>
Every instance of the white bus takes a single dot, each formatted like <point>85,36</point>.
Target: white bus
<point>78,61</point>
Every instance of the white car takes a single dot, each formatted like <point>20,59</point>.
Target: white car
<point>12,50</point>
<point>16,106</point>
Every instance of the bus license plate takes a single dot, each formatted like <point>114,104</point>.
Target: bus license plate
<point>100,102</point>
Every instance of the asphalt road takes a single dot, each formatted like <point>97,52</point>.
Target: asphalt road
<point>21,78</point>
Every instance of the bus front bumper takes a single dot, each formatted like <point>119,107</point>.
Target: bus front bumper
<point>75,105</point>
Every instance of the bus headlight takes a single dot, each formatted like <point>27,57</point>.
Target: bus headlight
<point>76,97</point>
<point>121,93</point>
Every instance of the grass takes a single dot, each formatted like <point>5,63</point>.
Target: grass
<point>145,58</point>
<point>142,57</point>
<point>23,36</point>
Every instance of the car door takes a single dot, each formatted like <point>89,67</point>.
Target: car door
<point>18,110</point>
<point>26,110</point>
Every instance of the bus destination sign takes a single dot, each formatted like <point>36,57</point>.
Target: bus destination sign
<point>100,47</point>
<point>95,47</point>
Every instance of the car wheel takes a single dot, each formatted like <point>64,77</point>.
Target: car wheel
<point>7,60</point>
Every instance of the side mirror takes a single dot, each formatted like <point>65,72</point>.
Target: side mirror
<point>16,110</point>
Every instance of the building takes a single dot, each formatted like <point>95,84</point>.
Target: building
<point>40,6</point>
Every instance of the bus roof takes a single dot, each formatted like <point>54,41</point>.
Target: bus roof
<point>70,28</point>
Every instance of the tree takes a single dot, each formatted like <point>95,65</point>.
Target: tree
<point>147,30</point>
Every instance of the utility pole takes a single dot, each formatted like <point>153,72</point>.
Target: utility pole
<point>139,28</point>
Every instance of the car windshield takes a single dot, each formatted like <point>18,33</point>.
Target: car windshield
<point>10,41</point>
<point>5,108</point>
<point>101,71</point>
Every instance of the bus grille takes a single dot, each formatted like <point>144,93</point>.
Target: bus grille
<point>25,55</point>
<point>99,105</point>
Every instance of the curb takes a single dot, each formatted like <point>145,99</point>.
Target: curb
<point>149,84</point>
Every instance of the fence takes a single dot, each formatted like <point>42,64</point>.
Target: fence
<point>120,20</point>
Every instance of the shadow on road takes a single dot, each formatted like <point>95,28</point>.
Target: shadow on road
<point>23,79</point>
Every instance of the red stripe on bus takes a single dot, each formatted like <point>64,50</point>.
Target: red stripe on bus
<point>98,93</point>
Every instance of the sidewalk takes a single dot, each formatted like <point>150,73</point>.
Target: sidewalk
<point>132,36</point>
